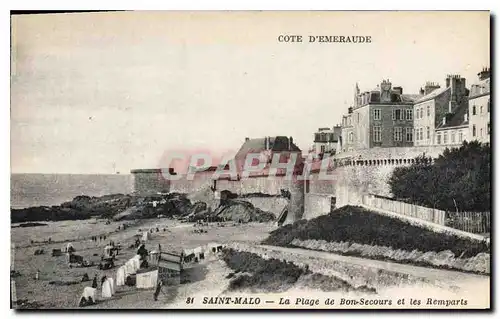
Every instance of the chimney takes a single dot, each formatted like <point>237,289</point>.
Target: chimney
<point>466,117</point>
<point>430,86</point>
<point>422,91</point>
<point>247,139</point>
<point>447,117</point>
<point>349,110</point>
<point>458,91</point>
<point>266,142</point>
<point>484,74</point>
<point>290,141</point>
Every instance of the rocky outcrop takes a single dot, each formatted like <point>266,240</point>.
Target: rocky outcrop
<point>116,206</point>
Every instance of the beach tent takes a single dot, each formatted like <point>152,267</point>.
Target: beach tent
<point>129,268</point>
<point>212,247</point>
<point>120,276</point>
<point>147,279</point>
<point>136,261</point>
<point>112,285</point>
<point>68,246</point>
<point>198,252</point>
<point>106,289</point>
<point>146,236</point>
<point>89,292</point>
<point>107,251</point>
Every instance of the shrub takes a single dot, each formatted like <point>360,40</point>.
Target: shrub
<point>459,179</point>
<point>358,225</point>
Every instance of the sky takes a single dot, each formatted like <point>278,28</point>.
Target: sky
<point>107,92</point>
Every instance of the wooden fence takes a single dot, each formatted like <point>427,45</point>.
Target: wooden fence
<point>432,215</point>
<point>472,222</point>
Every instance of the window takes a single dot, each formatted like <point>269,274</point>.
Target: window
<point>460,136</point>
<point>376,114</point>
<point>377,134</point>
<point>409,134</point>
<point>438,138</point>
<point>473,110</point>
<point>357,114</point>
<point>481,109</point>
<point>428,110</point>
<point>488,128</point>
<point>481,132</point>
<point>421,133</point>
<point>322,148</point>
<point>399,115</point>
<point>351,137</point>
<point>474,130</point>
<point>398,134</point>
<point>409,114</point>
<point>416,114</point>
<point>428,133</point>
<point>445,137</point>
<point>421,112</point>
<point>452,137</point>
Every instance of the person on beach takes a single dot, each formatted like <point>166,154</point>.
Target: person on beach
<point>157,290</point>
<point>103,279</point>
<point>94,282</point>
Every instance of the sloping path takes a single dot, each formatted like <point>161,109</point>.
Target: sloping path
<point>450,277</point>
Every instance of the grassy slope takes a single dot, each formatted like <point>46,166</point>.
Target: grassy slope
<point>272,275</point>
<point>358,225</point>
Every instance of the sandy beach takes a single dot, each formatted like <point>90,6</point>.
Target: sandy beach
<point>177,236</point>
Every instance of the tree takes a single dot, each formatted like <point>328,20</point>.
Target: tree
<point>458,179</point>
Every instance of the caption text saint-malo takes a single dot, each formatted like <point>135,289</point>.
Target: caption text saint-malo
<point>293,38</point>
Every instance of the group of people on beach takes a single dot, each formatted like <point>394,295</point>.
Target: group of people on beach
<point>100,238</point>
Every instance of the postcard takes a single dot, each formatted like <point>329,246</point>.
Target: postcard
<point>250,160</point>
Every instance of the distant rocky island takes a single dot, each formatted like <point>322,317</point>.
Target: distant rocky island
<point>130,207</point>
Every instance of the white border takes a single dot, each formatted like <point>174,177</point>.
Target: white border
<point>191,5</point>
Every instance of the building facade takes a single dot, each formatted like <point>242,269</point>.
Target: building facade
<point>382,117</point>
<point>479,108</point>
<point>326,140</point>
<point>346,143</point>
<point>441,113</point>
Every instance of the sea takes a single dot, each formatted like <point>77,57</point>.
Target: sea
<point>27,190</point>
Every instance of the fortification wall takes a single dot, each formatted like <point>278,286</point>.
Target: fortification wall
<point>317,204</point>
<point>150,181</point>
<point>380,153</point>
<point>355,174</point>
<point>272,205</point>
<point>183,185</point>
<point>262,184</point>
<point>368,171</point>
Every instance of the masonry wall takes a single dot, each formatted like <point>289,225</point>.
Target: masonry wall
<point>264,184</point>
<point>317,185</point>
<point>317,204</point>
<point>272,205</point>
<point>199,181</point>
<point>356,174</point>
<point>368,171</point>
<point>150,182</point>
